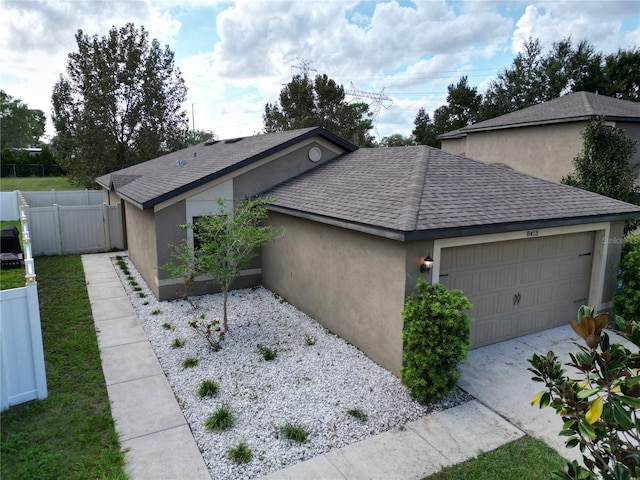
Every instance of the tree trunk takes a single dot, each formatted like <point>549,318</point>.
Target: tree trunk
<point>225,326</point>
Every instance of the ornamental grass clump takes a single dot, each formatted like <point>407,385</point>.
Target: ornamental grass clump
<point>294,432</point>
<point>221,419</point>
<point>436,339</point>
<point>241,453</point>
<point>208,388</point>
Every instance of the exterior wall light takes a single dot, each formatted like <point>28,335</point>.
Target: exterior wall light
<point>427,263</point>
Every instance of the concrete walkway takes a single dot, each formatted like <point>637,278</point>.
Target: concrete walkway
<point>160,444</point>
<point>148,419</point>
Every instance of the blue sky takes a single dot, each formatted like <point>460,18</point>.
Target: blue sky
<point>235,56</point>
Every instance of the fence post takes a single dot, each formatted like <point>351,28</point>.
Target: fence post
<point>33,308</point>
<point>58,228</point>
<point>105,223</point>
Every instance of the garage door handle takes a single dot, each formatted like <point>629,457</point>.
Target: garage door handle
<point>516,298</point>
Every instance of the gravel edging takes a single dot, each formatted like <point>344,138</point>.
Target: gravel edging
<point>312,385</point>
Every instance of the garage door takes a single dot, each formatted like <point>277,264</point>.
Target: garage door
<point>520,286</point>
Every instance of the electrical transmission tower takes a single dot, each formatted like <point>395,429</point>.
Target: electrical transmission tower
<point>304,66</point>
<point>378,101</point>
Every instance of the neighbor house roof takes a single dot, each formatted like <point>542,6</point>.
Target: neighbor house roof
<point>573,107</point>
<point>163,178</point>
<point>421,192</point>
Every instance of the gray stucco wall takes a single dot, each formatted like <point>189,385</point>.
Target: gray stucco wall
<point>350,282</point>
<point>278,170</point>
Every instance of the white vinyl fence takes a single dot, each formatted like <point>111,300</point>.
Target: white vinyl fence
<point>69,198</point>
<point>58,229</point>
<point>22,369</point>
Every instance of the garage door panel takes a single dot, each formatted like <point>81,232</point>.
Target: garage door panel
<point>508,276</point>
<point>520,286</point>
<point>529,273</point>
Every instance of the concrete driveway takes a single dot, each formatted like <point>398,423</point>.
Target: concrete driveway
<point>497,376</point>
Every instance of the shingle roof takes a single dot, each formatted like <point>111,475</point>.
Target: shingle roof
<point>162,178</point>
<point>572,107</point>
<point>408,190</point>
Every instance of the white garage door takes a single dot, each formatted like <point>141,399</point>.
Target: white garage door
<point>520,286</point>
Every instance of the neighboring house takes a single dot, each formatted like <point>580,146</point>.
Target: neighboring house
<point>359,223</point>
<point>543,140</point>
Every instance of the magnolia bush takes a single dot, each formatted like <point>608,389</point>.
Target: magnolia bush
<point>600,408</point>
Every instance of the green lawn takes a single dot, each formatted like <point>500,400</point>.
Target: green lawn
<point>36,184</point>
<point>524,459</point>
<point>71,433</point>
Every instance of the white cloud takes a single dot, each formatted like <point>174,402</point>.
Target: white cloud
<point>247,51</point>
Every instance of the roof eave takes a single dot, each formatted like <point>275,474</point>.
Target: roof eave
<point>438,233</point>
<point>537,123</point>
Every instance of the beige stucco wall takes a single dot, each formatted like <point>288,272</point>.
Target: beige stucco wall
<point>457,146</point>
<point>141,243</point>
<point>544,151</point>
<point>352,283</point>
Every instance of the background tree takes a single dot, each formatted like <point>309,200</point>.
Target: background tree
<point>225,242</point>
<point>320,102</point>
<point>397,140</point>
<point>424,131</point>
<point>20,126</point>
<point>536,76</point>
<point>621,72</point>
<point>605,165</point>
<point>120,104</point>
<point>463,104</point>
<point>194,137</point>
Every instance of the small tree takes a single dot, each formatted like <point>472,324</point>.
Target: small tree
<point>600,409</point>
<point>226,241</point>
<point>605,165</point>
<point>435,338</point>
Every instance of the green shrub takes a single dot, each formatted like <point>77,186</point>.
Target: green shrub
<point>267,353</point>
<point>600,407</point>
<point>178,342</point>
<point>627,298</point>
<point>435,338</point>
<point>241,453</point>
<point>359,414</point>
<point>208,388</point>
<point>220,420</point>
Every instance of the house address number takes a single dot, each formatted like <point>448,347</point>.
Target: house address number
<point>532,233</point>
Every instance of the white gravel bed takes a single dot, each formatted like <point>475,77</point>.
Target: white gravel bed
<point>312,385</point>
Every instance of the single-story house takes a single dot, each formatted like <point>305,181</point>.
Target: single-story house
<point>543,140</point>
<point>359,224</point>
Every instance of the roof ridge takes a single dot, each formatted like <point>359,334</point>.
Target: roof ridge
<point>408,218</point>
<point>588,104</point>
